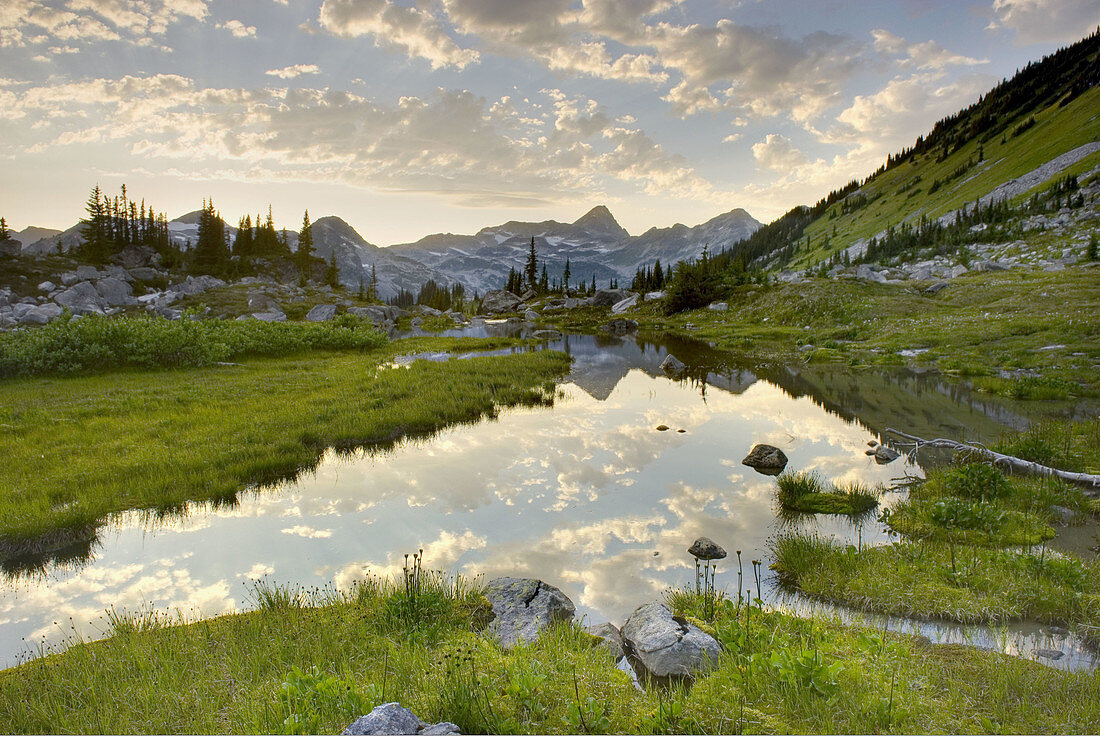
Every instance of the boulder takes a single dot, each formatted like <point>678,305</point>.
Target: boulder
<point>84,273</point>
<point>529,295</point>
<point>499,301</point>
<point>608,297</point>
<point>270,316</point>
<point>766,458</point>
<point>654,295</point>
<point>672,366</point>
<point>261,302</point>
<point>610,638</point>
<point>47,286</point>
<point>936,288</point>
<point>531,315</point>
<point>69,278</point>
<point>667,645</point>
<point>321,313</point>
<point>705,548</point>
<point>393,718</point>
<point>546,335</point>
<point>884,454</point>
<point>144,273</point>
<point>621,326</point>
<point>115,292</point>
<point>81,298</point>
<point>625,304</point>
<point>718,306</point>
<point>523,607</point>
<point>869,273</point>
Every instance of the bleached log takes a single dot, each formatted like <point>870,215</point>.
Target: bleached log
<point>1005,461</point>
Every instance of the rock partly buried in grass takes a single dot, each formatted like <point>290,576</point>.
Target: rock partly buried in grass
<point>672,366</point>
<point>706,548</point>
<point>610,638</point>
<point>321,313</point>
<point>766,459</point>
<point>523,607</point>
<point>393,718</point>
<point>667,645</point>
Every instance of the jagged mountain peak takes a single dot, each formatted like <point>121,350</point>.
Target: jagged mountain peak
<point>600,219</point>
<point>338,226</point>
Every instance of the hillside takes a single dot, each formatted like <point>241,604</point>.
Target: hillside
<point>1043,122</point>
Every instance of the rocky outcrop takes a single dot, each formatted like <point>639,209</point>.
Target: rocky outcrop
<point>608,297</point>
<point>766,458</point>
<point>393,718</point>
<point>321,313</point>
<point>523,608</point>
<point>500,301</point>
<point>667,645</point>
<point>621,306</point>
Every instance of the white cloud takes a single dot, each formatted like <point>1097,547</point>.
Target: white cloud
<point>238,29</point>
<point>410,30</point>
<point>1037,21</point>
<point>35,21</point>
<point>926,55</point>
<point>776,152</point>
<point>308,532</point>
<point>294,71</point>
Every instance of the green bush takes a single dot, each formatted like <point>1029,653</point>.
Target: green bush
<point>976,480</point>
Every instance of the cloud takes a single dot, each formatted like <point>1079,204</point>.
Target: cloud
<point>293,71</point>
<point>1038,21</point>
<point>133,21</point>
<point>776,152</point>
<point>410,30</point>
<point>238,29</point>
<point>308,532</point>
<point>926,55</point>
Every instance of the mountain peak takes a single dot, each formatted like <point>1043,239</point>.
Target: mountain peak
<point>600,218</point>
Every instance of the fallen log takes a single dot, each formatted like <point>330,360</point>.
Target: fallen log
<point>1006,461</point>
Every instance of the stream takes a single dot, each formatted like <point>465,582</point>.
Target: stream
<point>587,495</point>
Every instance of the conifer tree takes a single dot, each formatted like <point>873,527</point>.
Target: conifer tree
<point>565,278</point>
<point>544,281</point>
<point>304,257</point>
<point>531,269</point>
<point>4,230</point>
<point>332,273</point>
<point>373,281</point>
<point>95,230</point>
<point>211,255</point>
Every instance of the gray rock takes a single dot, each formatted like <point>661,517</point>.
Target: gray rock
<point>884,454</point>
<point>393,718</point>
<point>270,316</point>
<point>1062,514</point>
<point>625,304</point>
<point>81,298</point>
<point>47,286</point>
<point>321,313</point>
<point>261,302</point>
<point>621,326</point>
<point>529,295</point>
<point>957,271</point>
<point>666,645</point>
<point>546,334</point>
<point>69,278</point>
<point>718,306</point>
<point>706,548</point>
<point>115,292</point>
<point>869,273</point>
<point>144,273</point>
<point>936,288</point>
<point>173,314</point>
<point>84,273</point>
<point>499,301</point>
<point>416,322</point>
<point>1054,654</point>
<point>672,366</point>
<point>654,295</point>
<point>610,638</point>
<point>984,266</point>
<point>531,315</point>
<point>766,458</point>
<point>118,272</point>
<point>608,297</point>
<point>523,607</point>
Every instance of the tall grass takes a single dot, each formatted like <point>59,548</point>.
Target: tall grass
<point>808,492</point>
<point>96,343</point>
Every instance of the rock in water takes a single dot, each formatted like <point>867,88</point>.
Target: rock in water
<point>766,458</point>
<point>523,607</point>
<point>667,645</point>
<point>499,301</point>
<point>393,718</point>
<point>706,549</point>
<point>621,326</point>
<point>884,454</point>
<point>672,366</point>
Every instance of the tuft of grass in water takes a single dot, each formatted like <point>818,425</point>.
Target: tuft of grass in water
<point>97,344</point>
<point>76,449</point>
<point>807,492</point>
<point>934,581</point>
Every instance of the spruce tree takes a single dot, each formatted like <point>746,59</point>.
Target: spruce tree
<point>531,269</point>
<point>565,278</point>
<point>211,255</point>
<point>4,230</point>
<point>332,273</point>
<point>95,230</point>
<point>373,281</point>
<point>305,250</point>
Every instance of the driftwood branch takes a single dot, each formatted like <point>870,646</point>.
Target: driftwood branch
<point>1006,461</point>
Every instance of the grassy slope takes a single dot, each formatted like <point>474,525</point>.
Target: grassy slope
<point>778,674</point>
<point>76,449</point>
<point>1056,131</point>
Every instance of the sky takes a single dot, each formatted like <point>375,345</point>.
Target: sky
<point>411,117</point>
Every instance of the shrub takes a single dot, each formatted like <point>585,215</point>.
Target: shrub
<point>977,481</point>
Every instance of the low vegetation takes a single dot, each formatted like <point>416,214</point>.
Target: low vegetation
<point>78,448</point>
<point>808,492</point>
<point>312,661</point>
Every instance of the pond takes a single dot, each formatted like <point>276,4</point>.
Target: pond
<point>588,496</point>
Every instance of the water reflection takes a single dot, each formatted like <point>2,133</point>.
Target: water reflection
<point>587,495</point>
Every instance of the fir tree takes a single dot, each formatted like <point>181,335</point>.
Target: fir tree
<point>531,269</point>
<point>4,230</point>
<point>211,255</point>
<point>304,257</point>
<point>95,230</point>
<point>332,273</point>
<point>565,278</point>
<point>373,281</point>
<point>544,281</point>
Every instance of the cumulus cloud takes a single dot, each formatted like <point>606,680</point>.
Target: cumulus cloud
<point>926,55</point>
<point>1038,21</point>
<point>413,31</point>
<point>135,21</point>
<point>238,29</point>
<point>294,71</point>
<point>776,152</point>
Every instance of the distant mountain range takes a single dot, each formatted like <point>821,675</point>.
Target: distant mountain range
<point>595,245</point>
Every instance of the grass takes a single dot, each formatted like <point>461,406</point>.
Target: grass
<point>78,448</point>
<point>314,664</point>
<point>808,493</point>
<point>98,343</point>
<point>929,580</point>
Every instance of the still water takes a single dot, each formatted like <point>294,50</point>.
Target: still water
<point>586,495</point>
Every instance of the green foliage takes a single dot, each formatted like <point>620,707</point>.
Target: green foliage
<point>979,481</point>
<point>308,700</point>
<point>807,670</point>
<point>807,492</point>
<point>96,343</point>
